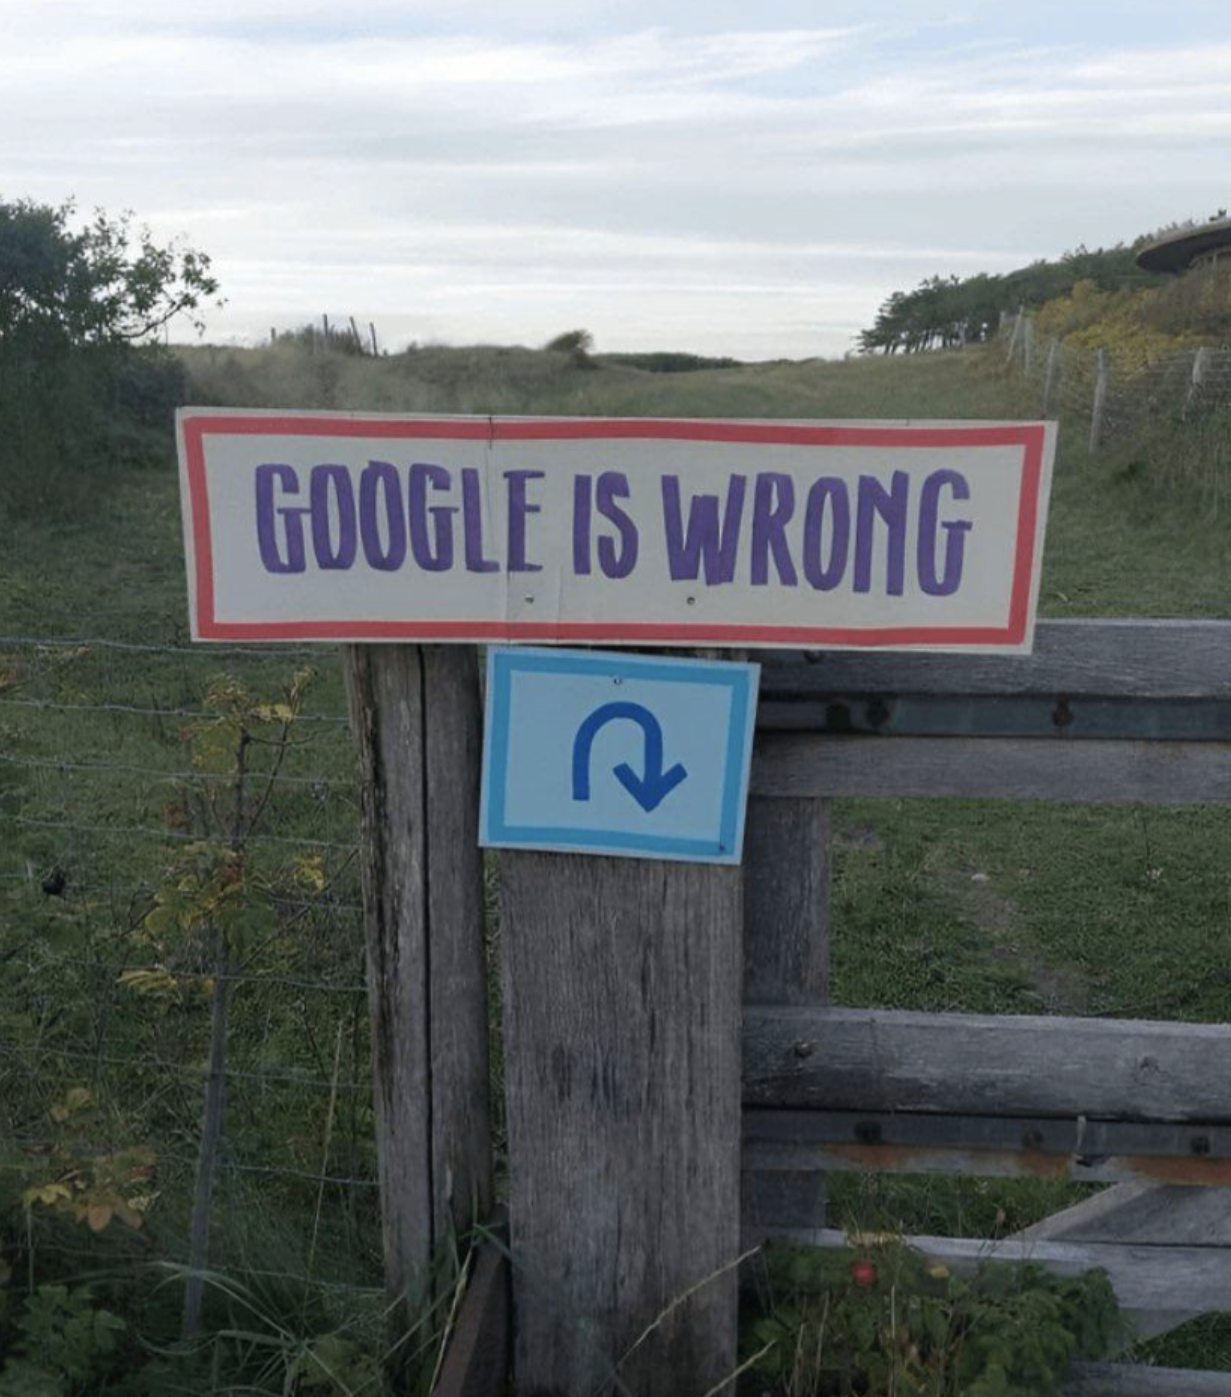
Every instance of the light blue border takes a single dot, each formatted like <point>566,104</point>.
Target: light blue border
<point>504,661</point>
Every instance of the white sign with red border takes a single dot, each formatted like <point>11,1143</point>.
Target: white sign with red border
<point>831,535</point>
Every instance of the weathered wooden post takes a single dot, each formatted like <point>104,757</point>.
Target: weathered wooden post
<point>416,719</point>
<point>1017,329</point>
<point>1028,345</point>
<point>1201,361</point>
<point>1052,376</point>
<point>786,961</point>
<point>1100,401</point>
<point>621,987</point>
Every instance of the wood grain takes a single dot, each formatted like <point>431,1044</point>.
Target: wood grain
<point>1133,658</point>
<point>786,961</point>
<point>415,719</point>
<point>621,988</point>
<point>984,1064</point>
<point>1074,772</point>
<point>1136,658</point>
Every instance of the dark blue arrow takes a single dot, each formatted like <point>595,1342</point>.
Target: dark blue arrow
<point>648,790</point>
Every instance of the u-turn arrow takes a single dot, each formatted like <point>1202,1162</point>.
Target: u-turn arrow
<point>649,789</point>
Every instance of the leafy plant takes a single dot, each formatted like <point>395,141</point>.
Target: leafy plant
<point>80,381</point>
<point>67,1343</point>
<point>889,1321</point>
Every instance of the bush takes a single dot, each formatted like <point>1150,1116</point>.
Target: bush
<point>890,1321</point>
<point>81,382</point>
<point>577,344</point>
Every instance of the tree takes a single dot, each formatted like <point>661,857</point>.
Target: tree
<point>83,384</point>
<point>106,283</point>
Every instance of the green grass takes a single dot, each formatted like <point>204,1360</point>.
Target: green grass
<point>937,905</point>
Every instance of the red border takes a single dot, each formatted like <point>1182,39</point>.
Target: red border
<point>1029,436</point>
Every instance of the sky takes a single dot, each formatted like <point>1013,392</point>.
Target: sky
<point>740,179</point>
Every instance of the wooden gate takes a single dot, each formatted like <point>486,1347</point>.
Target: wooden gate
<point>1103,712</point>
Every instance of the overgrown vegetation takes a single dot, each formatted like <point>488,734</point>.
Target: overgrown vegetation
<point>883,1319</point>
<point>82,389</point>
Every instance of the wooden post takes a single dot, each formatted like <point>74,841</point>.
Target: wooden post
<point>1017,327</point>
<point>416,720</point>
<point>1200,365</point>
<point>1100,401</point>
<point>1027,344</point>
<point>372,332</point>
<point>786,961</point>
<point>325,329</point>
<point>621,988</point>
<point>1053,374</point>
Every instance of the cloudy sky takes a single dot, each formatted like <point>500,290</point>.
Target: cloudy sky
<point>749,179</point>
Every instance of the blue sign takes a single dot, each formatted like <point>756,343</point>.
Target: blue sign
<point>617,754</point>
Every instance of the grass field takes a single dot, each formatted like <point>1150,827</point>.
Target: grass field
<point>938,906</point>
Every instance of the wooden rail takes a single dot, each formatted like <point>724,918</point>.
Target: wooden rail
<point>1138,659</point>
<point>986,1064</point>
<point>1102,712</point>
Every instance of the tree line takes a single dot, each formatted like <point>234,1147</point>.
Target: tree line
<point>942,312</point>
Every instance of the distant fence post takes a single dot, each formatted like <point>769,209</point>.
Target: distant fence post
<point>621,985</point>
<point>1017,328</point>
<point>1053,371</point>
<point>1201,362</point>
<point>1100,400</point>
<point>416,720</point>
<point>1027,344</point>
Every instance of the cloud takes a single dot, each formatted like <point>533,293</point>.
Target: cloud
<point>703,185</point>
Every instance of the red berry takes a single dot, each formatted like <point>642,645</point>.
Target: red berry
<point>863,1273</point>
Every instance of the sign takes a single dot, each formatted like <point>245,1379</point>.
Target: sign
<point>617,754</point>
<point>831,535</point>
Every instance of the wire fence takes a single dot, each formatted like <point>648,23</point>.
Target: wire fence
<point>135,842</point>
<point>1176,406</point>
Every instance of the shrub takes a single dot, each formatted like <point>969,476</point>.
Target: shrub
<point>80,379</point>
<point>887,1320</point>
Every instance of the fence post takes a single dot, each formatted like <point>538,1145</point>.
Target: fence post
<point>1100,400</point>
<point>1053,372</point>
<point>621,984</point>
<point>786,961</point>
<point>1017,326</point>
<point>1200,364</point>
<point>1027,345</point>
<point>416,720</point>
